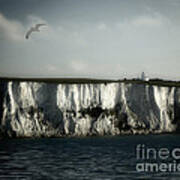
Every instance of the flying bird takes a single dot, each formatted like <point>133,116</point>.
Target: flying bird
<point>34,29</point>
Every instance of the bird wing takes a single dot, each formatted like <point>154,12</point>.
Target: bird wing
<point>28,33</point>
<point>36,28</point>
<point>39,25</point>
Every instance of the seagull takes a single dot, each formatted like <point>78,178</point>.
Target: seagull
<point>34,29</point>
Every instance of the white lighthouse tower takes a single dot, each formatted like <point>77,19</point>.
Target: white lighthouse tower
<point>144,77</point>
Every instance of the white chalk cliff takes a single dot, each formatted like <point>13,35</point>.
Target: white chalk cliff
<point>37,109</point>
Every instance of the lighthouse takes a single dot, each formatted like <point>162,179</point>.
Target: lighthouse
<point>144,77</point>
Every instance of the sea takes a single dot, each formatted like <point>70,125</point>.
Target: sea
<point>96,158</point>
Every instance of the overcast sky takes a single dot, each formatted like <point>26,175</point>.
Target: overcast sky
<point>91,38</point>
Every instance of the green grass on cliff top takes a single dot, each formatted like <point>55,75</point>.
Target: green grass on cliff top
<point>157,82</point>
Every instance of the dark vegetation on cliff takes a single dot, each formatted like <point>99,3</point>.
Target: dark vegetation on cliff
<point>3,88</point>
<point>120,119</point>
<point>157,82</point>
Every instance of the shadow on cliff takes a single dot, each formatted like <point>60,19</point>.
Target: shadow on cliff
<point>5,128</point>
<point>176,120</point>
<point>3,89</point>
<point>46,99</point>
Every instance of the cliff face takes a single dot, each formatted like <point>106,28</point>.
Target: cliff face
<point>31,109</point>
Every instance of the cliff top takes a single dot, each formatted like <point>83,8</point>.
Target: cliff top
<point>157,82</point>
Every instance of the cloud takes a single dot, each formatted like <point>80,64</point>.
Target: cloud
<point>92,69</point>
<point>151,20</point>
<point>51,68</point>
<point>78,66</point>
<point>35,20</point>
<point>148,21</point>
<point>11,29</point>
<point>102,26</point>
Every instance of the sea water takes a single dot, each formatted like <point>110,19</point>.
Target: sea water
<point>106,158</point>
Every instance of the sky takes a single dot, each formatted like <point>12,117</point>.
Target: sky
<point>112,39</point>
